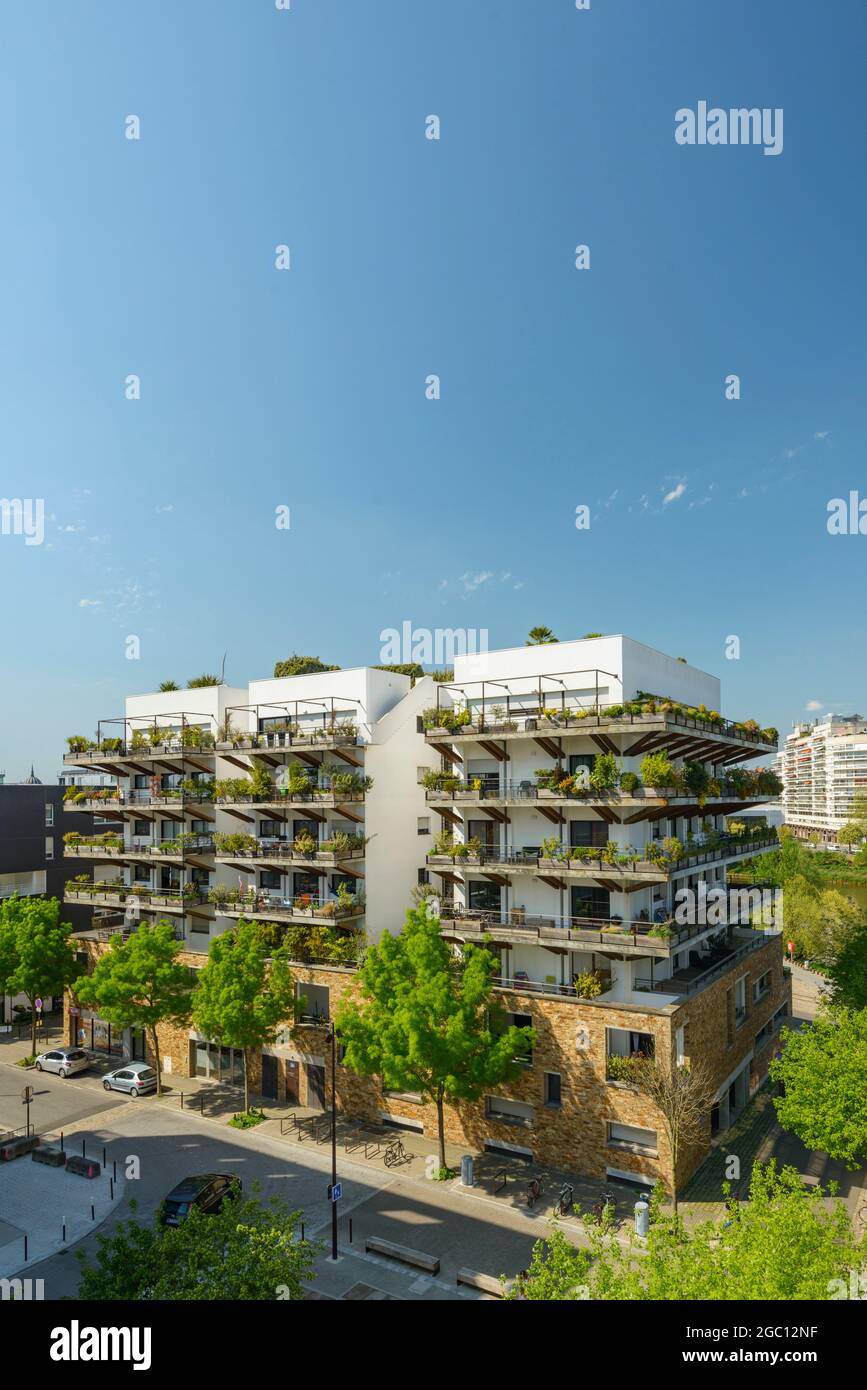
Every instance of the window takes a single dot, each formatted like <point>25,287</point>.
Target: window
<point>524,1055</point>
<point>315,997</point>
<point>423,876</point>
<point>740,1000</point>
<point>49,846</point>
<point>141,829</point>
<point>631,1137</point>
<point>552,1089</point>
<point>49,814</point>
<point>269,878</point>
<point>423,825</point>
<point>510,1112</point>
<point>680,1045</point>
<point>761,986</point>
<point>421,773</point>
<point>275,830</point>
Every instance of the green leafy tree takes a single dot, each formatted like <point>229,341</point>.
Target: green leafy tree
<point>818,921</point>
<point>140,983</point>
<point>166,686</point>
<point>245,992</point>
<point>788,1242</point>
<point>848,972</point>
<point>197,682</point>
<point>426,1022</point>
<point>248,1251</point>
<point>36,955</point>
<point>822,1071</point>
<point>851,833</point>
<point>540,637</point>
<point>791,860</point>
<point>301,666</point>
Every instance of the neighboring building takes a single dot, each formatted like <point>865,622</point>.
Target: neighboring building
<point>823,767</point>
<point>573,886</point>
<point>32,823</point>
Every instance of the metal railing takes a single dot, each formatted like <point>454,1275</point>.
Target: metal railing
<point>284,849</point>
<point>532,858</point>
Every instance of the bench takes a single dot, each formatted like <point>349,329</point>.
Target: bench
<point>485,1283</point>
<point>417,1258</point>
<point>54,1158</point>
<point>85,1167</point>
<point>14,1148</point>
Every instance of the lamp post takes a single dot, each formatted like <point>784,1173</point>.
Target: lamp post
<point>332,1033</point>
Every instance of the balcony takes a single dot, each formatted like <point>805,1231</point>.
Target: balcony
<point>104,847</point>
<point>648,722</point>
<point>236,902</point>
<point>148,899</point>
<point>109,799</point>
<point>451,790</point>
<point>248,848</point>
<point>518,927</point>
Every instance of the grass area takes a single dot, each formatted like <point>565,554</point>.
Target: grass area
<point>247,1119</point>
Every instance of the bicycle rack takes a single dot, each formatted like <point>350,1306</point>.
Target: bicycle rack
<point>501,1178</point>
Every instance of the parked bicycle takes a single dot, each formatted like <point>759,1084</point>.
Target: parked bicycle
<point>534,1191</point>
<point>604,1207</point>
<point>395,1153</point>
<point>566,1200</point>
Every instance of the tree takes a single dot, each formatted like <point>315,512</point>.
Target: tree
<point>818,921</point>
<point>539,637</point>
<point>301,666</point>
<point>249,1250</point>
<point>140,983</point>
<point>425,1021</point>
<point>36,956</point>
<point>848,972</point>
<point>198,681</point>
<point>165,686</point>
<point>683,1095</point>
<point>785,1243</point>
<point>851,833</point>
<point>245,992</point>
<point>789,861</point>
<point>822,1070</point>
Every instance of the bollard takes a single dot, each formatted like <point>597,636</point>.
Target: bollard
<point>302,1230</point>
<point>350,1230</point>
<point>114,1169</point>
<point>467,1179</point>
<point>642,1218</point>
<point>64,1230</point>
<point>202,1103</point>
<point>104,1156</point>
<point>84,1148</point>
<point>111,1189</point>
<point>92,1212</point>
<point>62,1150</point>
<point>25,1249</point>
<point>182,1100</point>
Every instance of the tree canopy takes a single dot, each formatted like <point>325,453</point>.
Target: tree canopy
<point>822,1069</point>
<point>36,955</point>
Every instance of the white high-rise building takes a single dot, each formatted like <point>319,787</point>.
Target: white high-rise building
<point>823,766</point>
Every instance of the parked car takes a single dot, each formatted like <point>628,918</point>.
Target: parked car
<point>207,1191</point>
<point>63,1061</point>
<point>135,1078</point>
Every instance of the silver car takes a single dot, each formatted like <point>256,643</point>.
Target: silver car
<point>135,1078</point>
<point>64,1061</point>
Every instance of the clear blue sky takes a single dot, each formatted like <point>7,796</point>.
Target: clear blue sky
<point>410,257</point>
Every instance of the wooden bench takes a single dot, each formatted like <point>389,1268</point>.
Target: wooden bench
<point>485,1283</point>
<point>417,1258</point>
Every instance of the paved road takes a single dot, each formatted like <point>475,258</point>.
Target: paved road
<point>462,1230</point>
<point>56,1103</point>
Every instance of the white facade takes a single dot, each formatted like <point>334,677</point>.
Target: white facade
<point>823,767</point>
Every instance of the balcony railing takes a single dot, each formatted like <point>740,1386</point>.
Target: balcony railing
<point>280,796</point>
<point>123,892</point>
<point>143,796</point>
<point>529,791</point>
<point>586,859</point>
<point>302,907</point>
<point>285,851</point>
<point>599,931</point>
<point>111,849</point>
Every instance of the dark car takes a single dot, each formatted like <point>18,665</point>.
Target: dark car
<point>207,1191</point>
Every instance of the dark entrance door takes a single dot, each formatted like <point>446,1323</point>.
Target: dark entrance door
<point>315,1086</point>
<point>269,1076</point>
<point>293,1092</point>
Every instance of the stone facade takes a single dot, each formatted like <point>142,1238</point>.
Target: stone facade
<point>571,1043</point>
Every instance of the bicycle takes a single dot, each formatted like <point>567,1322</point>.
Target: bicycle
<point>534,1191</point>
<point>395,1153</point>
<point>605,1203</point>
<point>565,1201</point>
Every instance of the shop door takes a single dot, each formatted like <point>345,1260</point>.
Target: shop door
<point>293,1089</point>
<point>315,1086</point>
<point>269,1076</point>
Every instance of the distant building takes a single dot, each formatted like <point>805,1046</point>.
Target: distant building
<point>823,766</point>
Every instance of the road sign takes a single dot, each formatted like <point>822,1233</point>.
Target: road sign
<point>335,1191</point>
<point>27,1095</point>
<point>38,1003</point>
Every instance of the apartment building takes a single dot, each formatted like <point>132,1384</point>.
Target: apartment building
<point>553,802</point>
<point>823,767</point>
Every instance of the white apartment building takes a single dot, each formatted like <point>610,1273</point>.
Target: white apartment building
<point>823,766</point>
<point>329,834</point>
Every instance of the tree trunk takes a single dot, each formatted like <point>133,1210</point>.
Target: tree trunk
<point>155,1048</point>
<point>33,1025</point>
<point>441,1129</point>
<point>246,1083</point>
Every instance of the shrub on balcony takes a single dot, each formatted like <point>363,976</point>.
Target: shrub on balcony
<point>199,789</point>
<point>604,772</point>
<point>138,740</point>
<point>235,843</point>
<point>550,847</point>
<point>78,743</point>
<point>305,844</point>
<point>657,770</point>
<point>347,783</point>
<point>301,666</point>
<point>661,932</point>
<point>444,842</point>
<point>672,849</point>
<point>441,781</point>
<point>629,782</point>
<point>612,712</point>
<point>619,1068</point>
<point>588,984</point>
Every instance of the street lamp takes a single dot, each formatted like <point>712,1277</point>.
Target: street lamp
<point>333,1034</point>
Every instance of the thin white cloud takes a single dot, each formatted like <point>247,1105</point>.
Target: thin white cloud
<point>90,602</point>
<point>471,582</point>
<point>675,494</point>
<point>821,434</point>
<point>815,704</point>
<point>169,508</point>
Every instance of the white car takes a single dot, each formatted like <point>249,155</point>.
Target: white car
<point>64,1061</point>
<point>136,1079</point>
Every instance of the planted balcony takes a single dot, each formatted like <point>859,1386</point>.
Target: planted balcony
<point>105,846</point>
<point>104,892</point>
<point>311,944</point>
<point>303,850</point>
<point>246,902</point>
<point>289,734</point>
<point>261,787</point>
